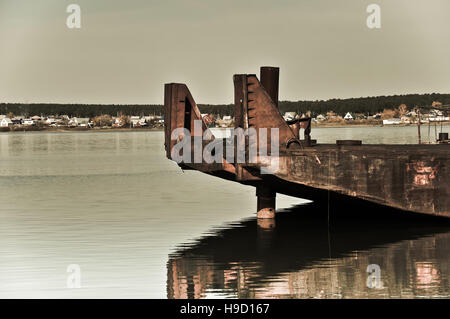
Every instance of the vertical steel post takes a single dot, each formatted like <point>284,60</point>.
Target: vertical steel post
<point>270,79</point>
<point>418,126</point>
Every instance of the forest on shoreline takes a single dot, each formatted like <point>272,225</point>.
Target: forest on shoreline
<point>365,105</point>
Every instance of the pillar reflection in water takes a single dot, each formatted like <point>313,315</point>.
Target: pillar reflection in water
<point>302,255</point>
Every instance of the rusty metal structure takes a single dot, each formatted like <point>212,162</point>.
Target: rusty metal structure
<point>407,177</point>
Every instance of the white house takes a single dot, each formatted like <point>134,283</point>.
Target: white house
<point>439,118</point>
<point>5,122</point>
<point>289,116</point>
<point>50,121</point>
<point>28,122</point>
<point>117,122</point>
<point>320,117</point>
<point>405,119</point>
<point>142,122</point>
<point>348,116</point>
<point>225,122</point>
<point>394,121</point>
<point>377,116</point>
<point>79,121</point>
<point>150,118</point>
<point>134,120</point>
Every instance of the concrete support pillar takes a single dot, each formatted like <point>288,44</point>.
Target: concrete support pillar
<point>265,225</point>
<point>265,201</point>
<point>269,78</point>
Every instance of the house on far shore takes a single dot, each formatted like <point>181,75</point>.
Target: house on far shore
<point>320,118</point>
<point>50,121</point>
<point>348,116</point>
<point>376,116</point>
<point>79,121</point>
<point>437,116</point>
<point>142,122</point>
<point>137,121</point>
<point>5,122</point>
<point>405,119</point>
<point>208,119</point>
<point>394,121</point>
<point>150,118</point>
<point>28,122</point>
<point>118,122</point>
<point>134,120</point>
<point>226,121</point>
<point>289,116</point>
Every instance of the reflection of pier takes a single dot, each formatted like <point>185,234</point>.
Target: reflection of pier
<point>300,258</point>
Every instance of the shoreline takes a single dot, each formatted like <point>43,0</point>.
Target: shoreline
<point>79,129</point>
<point>156,129</point>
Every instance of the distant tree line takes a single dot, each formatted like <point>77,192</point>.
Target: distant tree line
<point>80,110</point>
<point>364,105</point>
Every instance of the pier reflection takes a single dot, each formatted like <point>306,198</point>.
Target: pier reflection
<point>307,254</point>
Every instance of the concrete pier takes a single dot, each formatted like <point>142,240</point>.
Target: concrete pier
<point>407,177</point>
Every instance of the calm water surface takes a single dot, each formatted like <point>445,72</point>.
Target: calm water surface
<point>140,227</point>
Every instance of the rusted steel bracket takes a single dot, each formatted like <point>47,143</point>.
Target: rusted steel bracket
<point>180,112</point>
<point>254,108</point>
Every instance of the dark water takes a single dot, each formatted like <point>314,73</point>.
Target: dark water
<point>139,227</point>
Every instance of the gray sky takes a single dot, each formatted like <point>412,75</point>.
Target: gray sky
<point>126,50</point>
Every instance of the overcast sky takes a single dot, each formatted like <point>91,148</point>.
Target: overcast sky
<point>126,50</point>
